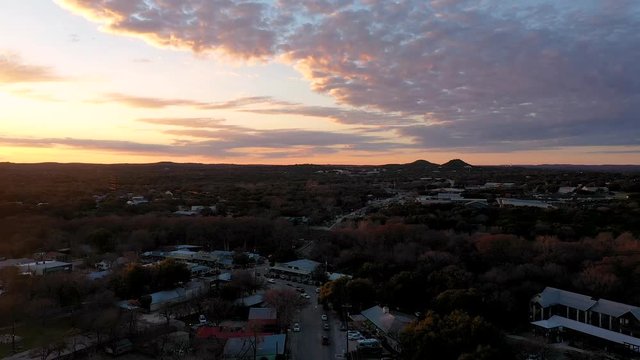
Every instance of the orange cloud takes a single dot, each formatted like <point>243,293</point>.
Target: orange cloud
<point>14,70</point>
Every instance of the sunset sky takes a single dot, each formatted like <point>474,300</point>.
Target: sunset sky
<point>320,81</point>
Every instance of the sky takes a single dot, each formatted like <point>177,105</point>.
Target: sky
<point>320,81</point>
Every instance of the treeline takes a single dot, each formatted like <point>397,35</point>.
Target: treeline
<point>94,238</point>
<point>484,279</point>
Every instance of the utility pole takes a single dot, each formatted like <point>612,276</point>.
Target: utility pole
<point>346,321</point>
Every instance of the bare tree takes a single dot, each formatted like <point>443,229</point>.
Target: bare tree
<point>286,302</point>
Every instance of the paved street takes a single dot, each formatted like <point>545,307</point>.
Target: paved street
<point>307,344</point>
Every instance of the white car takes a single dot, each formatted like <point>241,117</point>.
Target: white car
<point>271,281</point>
<point>202,319</point>
<point>324,317</point>
<point>296,327</point>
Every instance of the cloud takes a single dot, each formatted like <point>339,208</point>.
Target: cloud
<point>188,122</point>
<point>269,106</point>
<point>13,70</point>
<point>110,145</point>
<point>214,138</point>
<point>146,102</point>
<point>216,133</point>
<point>453,73</point>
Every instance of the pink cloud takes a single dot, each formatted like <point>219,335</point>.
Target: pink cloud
<point>464,64</point>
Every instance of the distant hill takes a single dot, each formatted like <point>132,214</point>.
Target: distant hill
<point>422,164</point>
<point>455,164</point>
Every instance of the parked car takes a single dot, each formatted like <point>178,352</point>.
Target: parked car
<point>202,319</point>
<point>271,281</point>
<point>325,326</point>
<point>325,340</point>
<point>324,317</point>
<point>317,290</point>
<point>296,327</point>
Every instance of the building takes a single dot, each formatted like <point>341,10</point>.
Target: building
<point>297,270</point>
<point>267,347</point>
<point>44,267</point>
<point>509,202</point>
<point>163,299</point>
<point>250,301</point>
<point>561,315</point>
<point>388,323</point>
<point>14,262</point>
<point>263,319</point>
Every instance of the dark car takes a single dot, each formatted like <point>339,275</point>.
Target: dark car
<point>325,326</point>
<point>325,340</point>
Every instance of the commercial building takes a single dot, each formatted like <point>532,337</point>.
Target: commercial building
<point>563,315</point>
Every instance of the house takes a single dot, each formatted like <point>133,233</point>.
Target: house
<point>298,270</point>
<point>198,270</point>
<point>45,267</point>
<point>388,323</point>
<point>181,255</point>
<point>562,314</point>
<point>267,347</point>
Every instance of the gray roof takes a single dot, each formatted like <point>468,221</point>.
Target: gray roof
<point>14,262</point>
<point>262,314</point>
<point>390,322</point>
<point>241,348</point>
<point>615,309</point>
<point>558,321</point>
<point>333,276</point>
<point>252,300</point>
<point>302,266</point>
<point>167,296</point>
<point>552,296</point>
<point>43,265</point>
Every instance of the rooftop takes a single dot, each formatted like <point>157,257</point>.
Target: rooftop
<point>558,321</point>
<point>390,322</point>
<point>552,296</point>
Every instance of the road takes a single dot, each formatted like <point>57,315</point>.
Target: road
<point>307,343</point>
<point>400,196</point>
